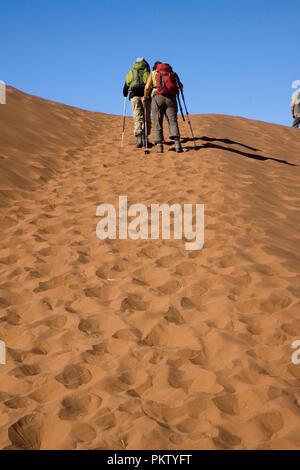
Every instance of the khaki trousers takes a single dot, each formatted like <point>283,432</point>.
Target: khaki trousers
<point>138,115</point>
<point>296,122</point>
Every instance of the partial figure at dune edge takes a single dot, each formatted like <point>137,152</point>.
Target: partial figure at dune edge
<point>135,83</point>
<point>295,107</point>
<point>163,85</point>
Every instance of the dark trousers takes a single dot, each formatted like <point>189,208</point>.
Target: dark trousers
<point>164,105</point>
<point>296,122</point>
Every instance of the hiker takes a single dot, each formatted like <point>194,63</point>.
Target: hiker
<point>295,107</point>
<point>164,84</point>
<point>134,85</point>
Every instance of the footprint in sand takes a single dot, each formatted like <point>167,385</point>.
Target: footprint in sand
<point>19,402</point>
<point>158,336</point>
<point>271,422</point>
<point>12,318</point>
<point>228,404</point>
<point>292,328</point>
<point>103,272</point>
<point>148,275</point>
<point>27,370</point>
<point>84,432</point>
<point>18,355</point>
<point>134,302</point>
<point>166,261</point>
<point>105,293</point>
<point>170,287</point>
<point>128,334</point>
<point>95,355</point>
<point>26,433</point>
<point>55,321</point>
<point>77,405</point>
<point>91,326</point>
<point>150,251</point>
<point>55,282</point>
<point>41,347</point>
<point>74,375</point>
<point>186,268</point>
<point>105,419</point>
<point>174,316</point>
<point>226,439</point>
<point>276,301</point>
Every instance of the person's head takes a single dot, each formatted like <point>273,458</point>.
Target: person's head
<point>141,59</point>
<point>156,64</point>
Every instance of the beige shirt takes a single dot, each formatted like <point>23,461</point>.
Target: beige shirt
<point>295,103</point>
<point>295,98</point>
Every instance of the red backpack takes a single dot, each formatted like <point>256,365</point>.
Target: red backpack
<point>166,81</point>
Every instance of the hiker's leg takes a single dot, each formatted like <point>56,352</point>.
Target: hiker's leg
<point>138,115</point>
<point>171,112</point>
<point>157,116</point>
<point>296,122</point>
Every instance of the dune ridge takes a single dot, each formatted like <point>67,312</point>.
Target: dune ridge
<point>35,134</point>
<point>123,344</point>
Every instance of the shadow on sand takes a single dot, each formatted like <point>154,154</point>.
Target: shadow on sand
<point>211,143</point>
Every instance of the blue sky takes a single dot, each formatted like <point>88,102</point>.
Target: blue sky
<point>236,57</point>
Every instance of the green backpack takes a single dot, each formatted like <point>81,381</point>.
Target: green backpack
<point>137,77</point>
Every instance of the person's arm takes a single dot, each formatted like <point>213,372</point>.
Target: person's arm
<point>179,84</point>
<point>127,83</point>
<point>293,111</point>
<point>148,86</point>
<point>125,90</point>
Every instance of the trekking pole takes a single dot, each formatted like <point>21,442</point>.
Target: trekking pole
<point>145,128</point>
<point>188,118</point>
<point>179,102</point>
<point>178,96</point>
<point>124,116</point>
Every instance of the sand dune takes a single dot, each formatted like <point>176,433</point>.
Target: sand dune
<point>123,344</point>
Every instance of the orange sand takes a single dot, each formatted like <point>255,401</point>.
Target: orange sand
<point>142,344</point>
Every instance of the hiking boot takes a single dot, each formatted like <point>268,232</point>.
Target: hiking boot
<point>159,148</point>
<point>149,145</point>
<point>139,143</point>
<point>178,147</point>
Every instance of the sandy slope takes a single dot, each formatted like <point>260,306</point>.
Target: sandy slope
<point>34,133</point>
<point>142,344</point>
